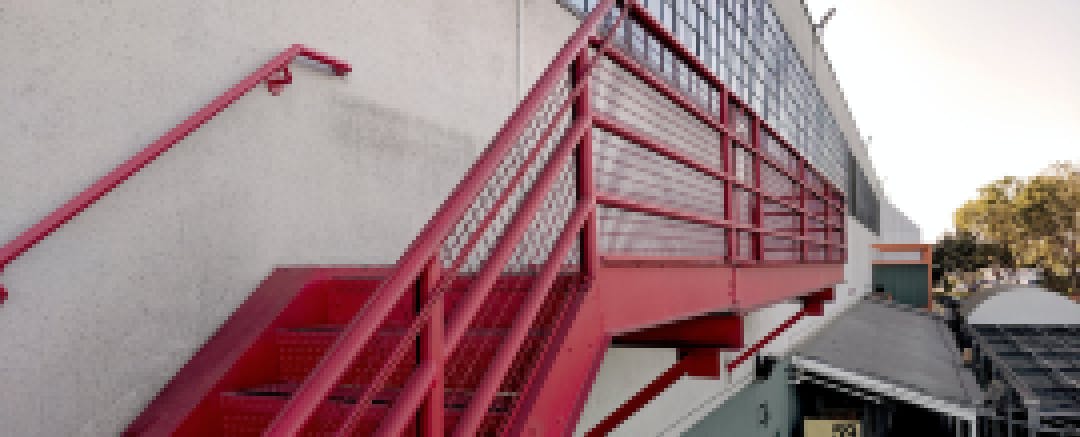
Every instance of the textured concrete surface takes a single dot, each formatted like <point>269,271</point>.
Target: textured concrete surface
<point>332,171</point>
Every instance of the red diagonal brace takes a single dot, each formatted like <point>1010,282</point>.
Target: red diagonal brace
<point>692,362</point>
<point>813,305</point>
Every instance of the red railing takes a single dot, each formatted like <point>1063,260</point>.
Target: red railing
<point>627,146</point>
<point>276,75</point>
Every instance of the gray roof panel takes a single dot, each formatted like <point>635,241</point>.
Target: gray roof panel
<point>896,344</point>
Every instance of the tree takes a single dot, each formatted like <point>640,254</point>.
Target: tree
<point>1036,218</point>
<point>963,252</point>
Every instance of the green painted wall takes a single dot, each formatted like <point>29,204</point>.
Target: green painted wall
<point>906,283</point>
<point>743,414</point>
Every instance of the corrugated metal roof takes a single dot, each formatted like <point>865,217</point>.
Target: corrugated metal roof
<point>1042,362</point>
<point>898,345</point>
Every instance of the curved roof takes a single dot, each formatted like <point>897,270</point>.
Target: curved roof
<point>1019,304</point>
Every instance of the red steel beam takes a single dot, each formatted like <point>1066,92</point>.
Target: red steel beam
<point>715,331</point>
<point>76,205</point>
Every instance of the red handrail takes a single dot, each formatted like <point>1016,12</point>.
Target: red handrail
<point>338,358</point>
<point>275,73</point>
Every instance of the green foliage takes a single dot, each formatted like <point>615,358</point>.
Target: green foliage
<point>962,252</point>
<point>1036,218</point>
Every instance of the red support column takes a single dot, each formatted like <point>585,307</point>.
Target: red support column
<point>585,185</point>
<point>431,349</point>
<point>729,169</point>
<point>802,208</point>
<point>758,217</point>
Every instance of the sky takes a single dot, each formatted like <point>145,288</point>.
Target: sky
<point>957,93</point>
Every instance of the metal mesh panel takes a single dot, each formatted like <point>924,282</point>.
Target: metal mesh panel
<point>743,165</point>
<point>779,186</point>
<point>624,232</point>
<point>780,217</point>
<point>497,185</point>
<point>635,41</point>
<point>470,363</point>
<point>772,148</point>
<point>744,246</point>
<point>781,249</point>
<point>739,122</point>
<point>627,170</point>
<point>622,96</point>
<point>742,201</point>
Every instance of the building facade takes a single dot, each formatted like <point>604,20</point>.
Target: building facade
<point>331,171</point>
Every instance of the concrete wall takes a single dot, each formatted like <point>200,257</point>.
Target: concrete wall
<point>896,227</point>
<point>332,171</point>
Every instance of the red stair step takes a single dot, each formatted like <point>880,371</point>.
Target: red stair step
<point>299,350</point>
<point>246,413</point>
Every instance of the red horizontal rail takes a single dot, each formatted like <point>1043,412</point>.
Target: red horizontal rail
<point>621,129</point>
<point>659,30</point>
<point>647,208</point>
<point>660,85</point>
<point>76,205</point>
<point>611,124</point>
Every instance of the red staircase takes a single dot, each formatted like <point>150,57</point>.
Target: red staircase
<point>630,192</point>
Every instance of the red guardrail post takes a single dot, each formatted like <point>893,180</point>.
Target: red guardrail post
<point>758,217</point>
<point>801,183</point>
<point>586,187</point>
<point>431,349</point>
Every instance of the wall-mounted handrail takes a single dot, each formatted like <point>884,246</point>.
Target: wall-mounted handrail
<point>275,73</point>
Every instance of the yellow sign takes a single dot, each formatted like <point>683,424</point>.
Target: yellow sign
<point>831,428</point>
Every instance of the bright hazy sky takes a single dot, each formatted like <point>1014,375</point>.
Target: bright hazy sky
<point>957,93</point>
